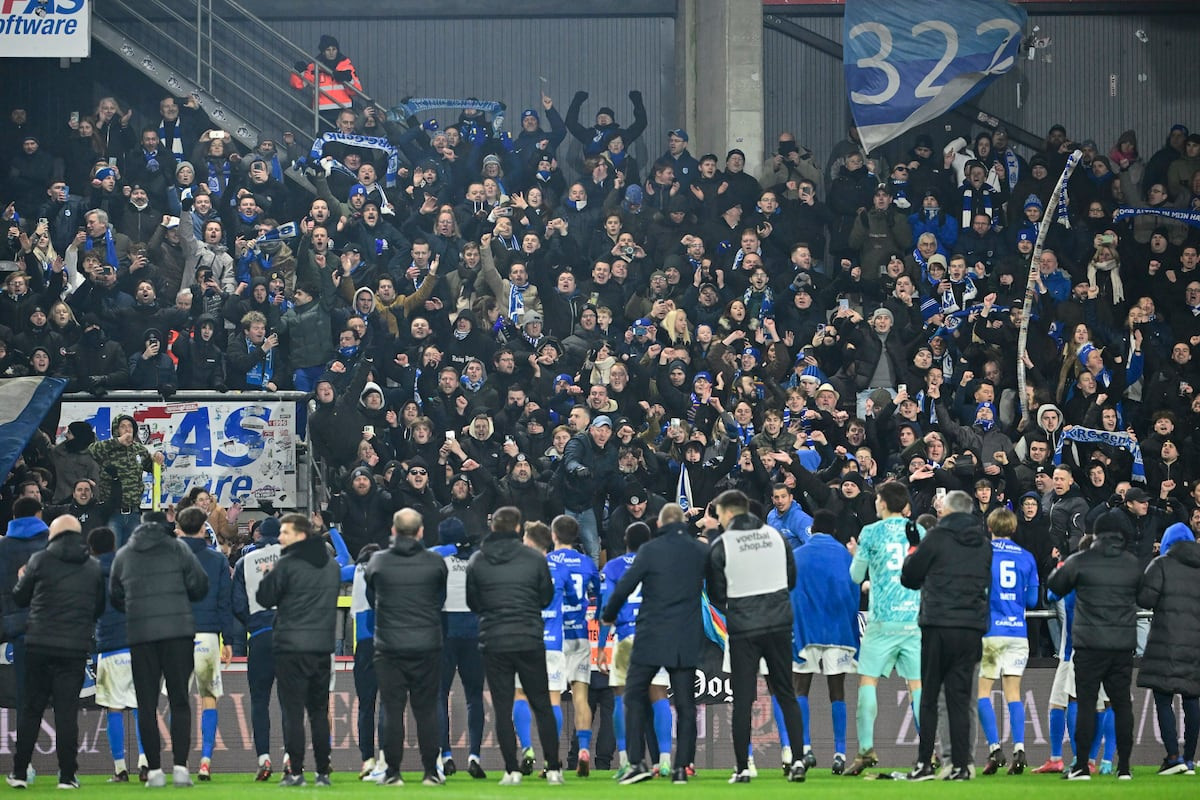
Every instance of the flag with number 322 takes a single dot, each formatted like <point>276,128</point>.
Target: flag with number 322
<point>909,61</point>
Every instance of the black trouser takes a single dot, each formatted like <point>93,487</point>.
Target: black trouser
<point>531,666</point>
<point>366,686</point>
<point>637,710</point>
<point>1114,669</point>
<point>948,659</point>
<point>304,686</point>
<point>1168,728</point>
<point>168,660</point>
<point>462,654</point>
<point>50,675</point>
<point>260,674</point>
<point>600,701</point>
<point>415,678</point>
<point>775,647</point>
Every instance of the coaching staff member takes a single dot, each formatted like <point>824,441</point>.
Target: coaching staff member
<point>303,588</point>
<point>669,633</point>
<point>406,585</point>
<point>751,573</point>
<point>508,585</point>
<point>952,566</point>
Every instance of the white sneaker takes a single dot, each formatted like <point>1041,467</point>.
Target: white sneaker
<point>511,779</point>
<point>155,779</point>
<point>785,757</point>
<point>180,777</point>
<point>751,770</point>
<point>368,767</point>
<point>554,777</point>
<point>379,772</point>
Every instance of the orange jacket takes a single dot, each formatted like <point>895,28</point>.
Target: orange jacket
<point>333,93</point>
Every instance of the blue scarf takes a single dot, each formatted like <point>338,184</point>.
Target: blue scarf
<point>683,487</point>
<point>1113,438</point>
<point>263,371</point>
<point>470,385</point>
<point>1177,214</point>
<point>745,434</point>
<point>516,300</point>
<point>1012,168</point>
<point>358,140</point>
<point>175,136</point>
<point>969,198</point>
<point>109,246</point>
<point>759,304</point>
<point>217,181</point>
<point>152,165</point>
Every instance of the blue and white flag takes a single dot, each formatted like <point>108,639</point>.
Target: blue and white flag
<point>24,403</point>
<point>288,230</point>
<point>1177,214</point>
<point>910,61</point>
<point>1120,439</point>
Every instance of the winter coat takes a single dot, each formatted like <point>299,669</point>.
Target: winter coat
<point>63,588</point>
<point>406,585</point>
<point>110,625</point>
<point>155,579</point>
<point>953,569</point>
<point>750,577</point>
<point>1170,587</point>
<point>303,587</point>
<point>363,519</point>
<point>508,585</point>
<point>214,612</point>
<point>24,537</point>
<point>1105,580</point>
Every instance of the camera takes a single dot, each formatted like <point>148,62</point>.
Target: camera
<point>627,251</point>
<point>640,330</point>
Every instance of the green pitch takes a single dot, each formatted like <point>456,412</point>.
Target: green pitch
<point>707,784</point>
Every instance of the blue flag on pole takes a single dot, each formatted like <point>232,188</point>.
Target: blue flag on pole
<point>909,61</point>
<point>24,402</point>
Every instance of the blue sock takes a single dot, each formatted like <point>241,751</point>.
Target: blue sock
<point>1058,727</point>
<point>116,734</point>
<point>807,720</point>
<point>208,732</point>
<point>780,727</point>
<point>1016,721</point>
<point>1096,739</point>
<point>558,719</point>
<point>585,739</point>
<point>1072,715</point>
<point>447,754</point>
<point>523,721</point>
<point>838,709</point>
<point>865,716</point>
<point>137,730</point>
<point>619,721</point>
<point>987,720</point>
<point>916,708</point>
<point>1110,734</point>
<point>662,726</point>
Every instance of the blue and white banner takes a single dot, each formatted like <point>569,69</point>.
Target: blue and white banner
<point>24,402</point>
<point>238,450</point>
<point>909,61</point>
<point>1177,214</point>
<point>1125,441</point>
<point>45,28</point>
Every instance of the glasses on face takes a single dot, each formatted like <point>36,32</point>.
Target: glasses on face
<point>900,169</point>
<point>418,472</point>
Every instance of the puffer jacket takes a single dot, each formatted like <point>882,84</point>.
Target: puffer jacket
<point>1105,579</point>
<point>1171,588</point>
<point>508,585</point>
<point>64,590</point>
<point>308,332</point>
<point>24,537</point>
<point>751,573</point>
<point>953,569</point>
<point>155,579</point>
<point>587,471</point>
<point>303,587</point>
<point>406,585</point>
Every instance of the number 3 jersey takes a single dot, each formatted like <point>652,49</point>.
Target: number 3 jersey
<point>1014,588</point>
<point>882,547</point>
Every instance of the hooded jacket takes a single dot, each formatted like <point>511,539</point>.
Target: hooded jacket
<point>63,588</point>
<point>130,461</point>
<point>1105,579</point>
<point>953,569</point>
<point>24,537</point>
<point>406,585</point>
<point>362,519</point>
<point>214,612</point>
<point>1170,587</point>
<point>303,587</point>
<point>508,585</point>
<point>750,576</point>
<point>155,579</point>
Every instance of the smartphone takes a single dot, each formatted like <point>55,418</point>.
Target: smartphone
<point>903,388</point>
<point>940,492</point>
<point>449,436</point>
<point>844,304</point>
<point>74,117</point>
<point>368,430</point>
<point>676,422</point>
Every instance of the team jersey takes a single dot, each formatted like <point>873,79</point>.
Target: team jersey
<point>609,576</point>
<point>583,584</point>
<point>552,615</point>
<point>360,608</point>
<point>1014,588</point>
<point>882,547</point>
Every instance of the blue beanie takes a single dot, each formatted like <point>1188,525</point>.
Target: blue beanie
<point>1033,200</point>
<point>1178,532</point>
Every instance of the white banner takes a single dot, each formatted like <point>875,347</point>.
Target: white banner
<point>46,28</point>
<point>243,451</point>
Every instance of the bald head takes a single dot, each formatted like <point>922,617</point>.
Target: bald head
<point>407,522</point>
<point>64,524</point>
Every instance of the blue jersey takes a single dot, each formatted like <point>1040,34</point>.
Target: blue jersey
<point>552,615</point>
<point>583,584</point>
<point>1014,588</point>
<point>627,616</point>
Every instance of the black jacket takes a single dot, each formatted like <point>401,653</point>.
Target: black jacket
<point>64,591</point>
<point>508,585</point>
<point>670,568</point>
<point>406,585</point>
<point>155,579</point>
<point>303,588</point>
<point>751,573</point>
<point>1105,580</point>
<point>953,569</point>
<point>1171,588</point>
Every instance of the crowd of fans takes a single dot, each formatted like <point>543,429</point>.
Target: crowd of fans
<point>535,319</point>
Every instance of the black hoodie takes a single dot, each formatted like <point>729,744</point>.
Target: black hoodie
<point>406,585</point>
<point>508,585</point>
<point>953,569</point>
<point>64,590</point>
<point>1105,580</point>
<point>155,579</point>
<point>303,587</point>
